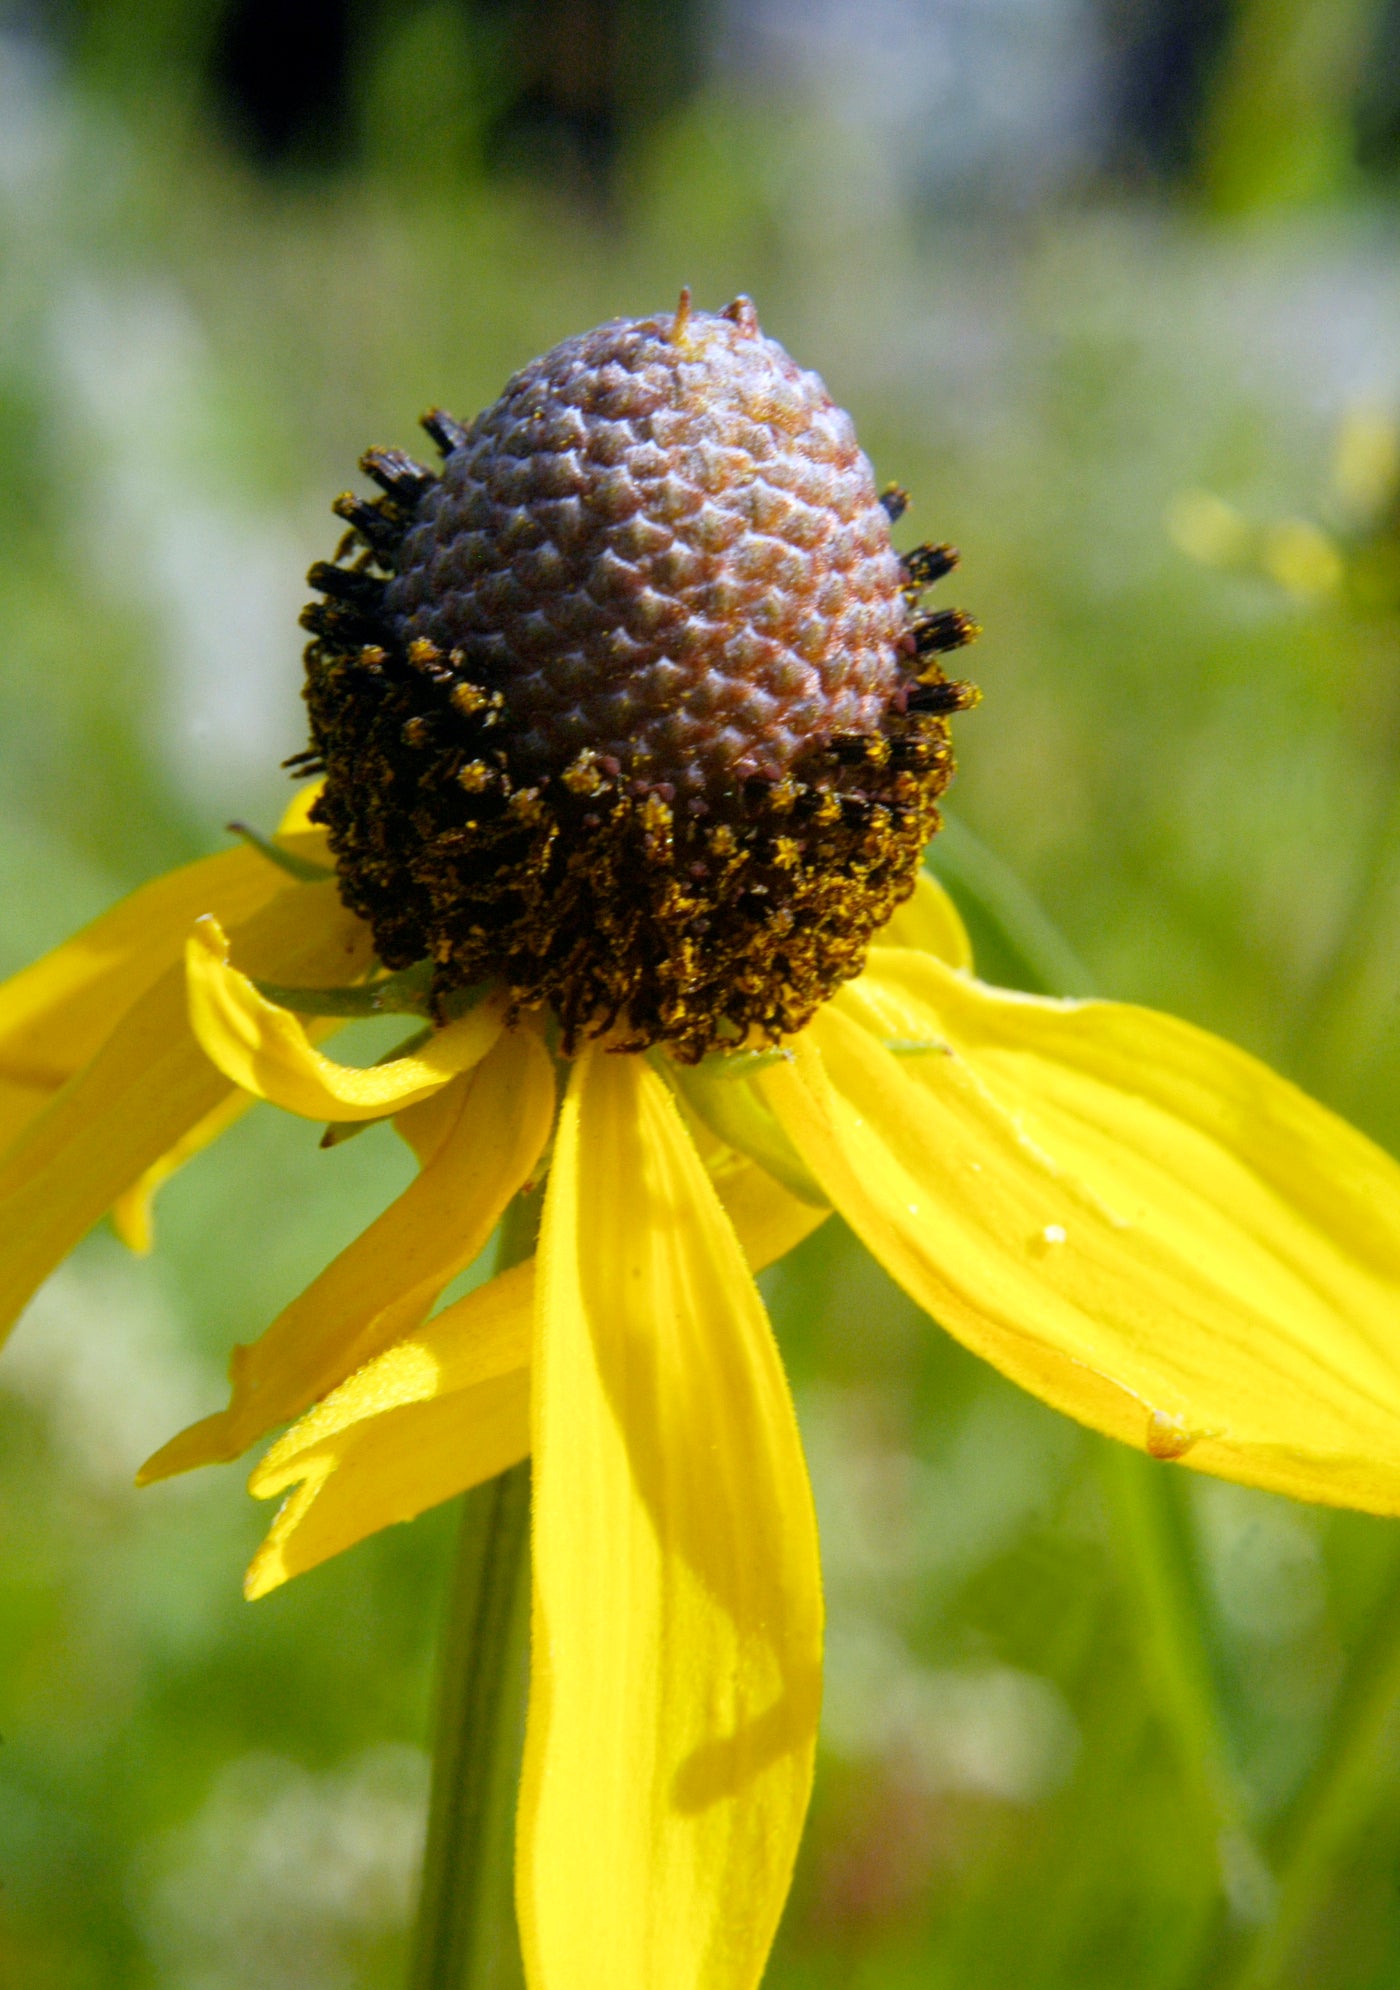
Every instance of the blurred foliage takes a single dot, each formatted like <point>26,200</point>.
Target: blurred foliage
<point>1091,1721</point>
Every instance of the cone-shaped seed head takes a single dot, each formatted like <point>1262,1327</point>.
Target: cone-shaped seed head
<point>663,544</point>
<point>627,706</point>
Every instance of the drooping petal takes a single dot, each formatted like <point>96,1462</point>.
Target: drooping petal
<point>677,1607</point>
<point>143,1091</point>
<point>930,923</point>
<point>265,1049</point>
<point>450,1406</point>
<point>132,1212</point>
<point>55,1015</point>
<point>1134,1220</point>
<point>384,1283</point>
<point>429,1417</point>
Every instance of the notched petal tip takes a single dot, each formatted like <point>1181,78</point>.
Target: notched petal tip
<point>443,1410</point>
<point>427,1419</point>
<point>495,1120</point>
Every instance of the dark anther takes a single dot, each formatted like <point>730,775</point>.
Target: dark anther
<point>927,564</point>
<point>447,432</point>
<point>360,590</point>
<point>397,474</point>
<point>379,533</point>
<point>341,626</point>
<point>948,695</point>
<point>895,501</point>
<point>947,629</point>
<point>848,749</point>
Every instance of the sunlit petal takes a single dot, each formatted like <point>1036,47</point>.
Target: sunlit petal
<point>264,1048</point>
<point>1131,1218</point>
<point>147,1086</point>
<point>426,1419</point>
<point>56,1014</point>
<point>385,1282</point>
<point>930,923</point>
<point>677,1619</point>
<point>450,1406</point>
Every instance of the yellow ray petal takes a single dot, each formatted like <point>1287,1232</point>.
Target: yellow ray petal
<point>930,923</point>
<point>132,1212</point>
<point>18,1105</point>
<point>1134,1220</point>
<point>677,1607</point>
<point>382,1285</point>
<point>296,819</point>
<point>146,1087</point>
<point>448,1407</point>
<point>265,1049</point>
<point>426,1419</point>
<point>425,1126</point>
<point>769,1221</point>
<point>56,1014</point>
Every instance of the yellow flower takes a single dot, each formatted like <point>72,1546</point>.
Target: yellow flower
<point>1134,1220</point>
<point>1138,1223</point>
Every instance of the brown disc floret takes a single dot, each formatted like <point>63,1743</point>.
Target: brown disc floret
<point>630,705</point>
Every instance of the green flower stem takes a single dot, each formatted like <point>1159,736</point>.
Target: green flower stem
<point>1278,129</point>
<point>1156,1545</point>
<point>465,1938</point>
<point>1332,1806</point>
<point>1324,1045</point>
<point>1148,1512</point>
<point>993,896</point>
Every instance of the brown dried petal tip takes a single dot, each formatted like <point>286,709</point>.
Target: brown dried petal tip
<point>630,706</point>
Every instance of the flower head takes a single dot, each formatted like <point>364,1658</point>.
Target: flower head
<point>593,815</point>
<point>630,707</point>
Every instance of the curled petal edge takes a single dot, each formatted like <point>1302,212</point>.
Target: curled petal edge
<point>265,1049</point>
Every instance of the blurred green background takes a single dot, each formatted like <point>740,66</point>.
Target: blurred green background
<point>1113,286</point>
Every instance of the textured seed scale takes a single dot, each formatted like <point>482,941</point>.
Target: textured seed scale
<point>668,550</point>
<point>631,708</point>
